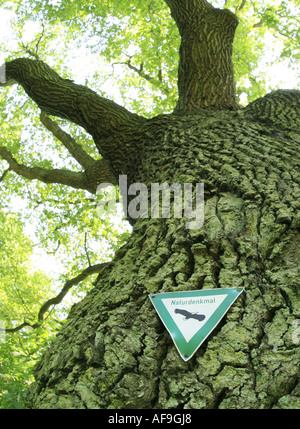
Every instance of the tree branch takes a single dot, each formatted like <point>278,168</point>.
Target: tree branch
<point>77,180</point>
<point>68,285</point>
<point>242,5</point>
<point>58,299</point>
<point>97,172</point>
<point>280,108</point>
<point>183,10</point>
<point>86,250</point>
<point>83,158</point>
<point>4,174</point>
<point>100,117</point>
<point>139,71</point>
<point>205,72</point>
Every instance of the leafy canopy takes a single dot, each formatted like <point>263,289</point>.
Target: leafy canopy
<point>22,291</point>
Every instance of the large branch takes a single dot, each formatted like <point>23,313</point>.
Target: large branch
<point>100,117</point>
<point>205,74</point>
<point>183,10</point>
<point>65,177</point>
<point>98,172</point>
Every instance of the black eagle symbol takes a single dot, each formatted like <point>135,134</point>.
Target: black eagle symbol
<point>189,315</point>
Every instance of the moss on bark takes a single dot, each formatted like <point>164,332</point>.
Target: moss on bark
<point>113,351</point>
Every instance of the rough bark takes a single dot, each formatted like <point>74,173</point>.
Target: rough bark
<point>205,75</point>
<point>113,352</point>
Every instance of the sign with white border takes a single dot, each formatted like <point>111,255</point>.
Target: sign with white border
<point>191,316</point>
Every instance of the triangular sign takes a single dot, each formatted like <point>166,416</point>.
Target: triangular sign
<point>190,316</point>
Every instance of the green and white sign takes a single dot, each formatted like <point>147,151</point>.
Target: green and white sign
<point>190,316</point>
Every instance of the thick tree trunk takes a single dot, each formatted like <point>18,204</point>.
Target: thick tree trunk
<point>113,351</point>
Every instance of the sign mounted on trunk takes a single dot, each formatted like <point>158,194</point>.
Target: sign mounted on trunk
<point>191,316</point>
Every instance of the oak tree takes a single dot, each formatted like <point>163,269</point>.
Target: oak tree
<point>113,351</point>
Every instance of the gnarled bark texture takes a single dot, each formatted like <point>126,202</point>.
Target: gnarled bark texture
<point>113,351</point>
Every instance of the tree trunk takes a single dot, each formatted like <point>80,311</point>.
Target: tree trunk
<point>113,351</point>
<point>205,75</point>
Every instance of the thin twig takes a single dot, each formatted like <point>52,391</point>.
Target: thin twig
<point>4,174</point>
<point>58,298</point>
<point>85,249</point>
